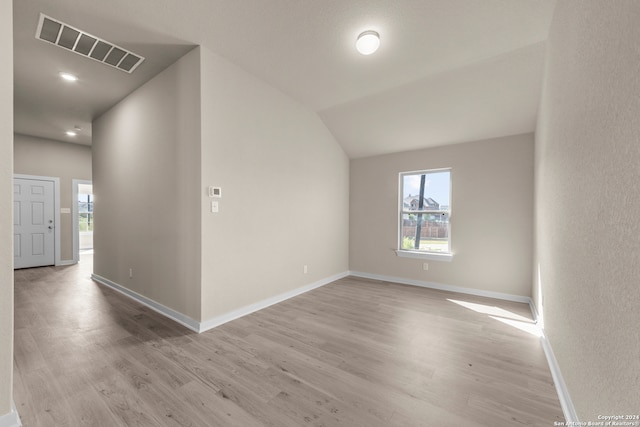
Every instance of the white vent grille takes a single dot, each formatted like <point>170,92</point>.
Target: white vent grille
<point>56,32</point>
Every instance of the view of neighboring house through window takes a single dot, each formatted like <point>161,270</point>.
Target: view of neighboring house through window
<point>85,218</point>
<point>425,206</point>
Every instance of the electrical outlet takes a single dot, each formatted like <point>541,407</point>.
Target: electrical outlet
<point>130,273</point>
<point>304,269</point>
<point>425,266</point>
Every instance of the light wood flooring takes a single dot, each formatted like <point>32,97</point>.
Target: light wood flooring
<point>353,353</point>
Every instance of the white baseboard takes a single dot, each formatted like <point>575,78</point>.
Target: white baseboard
<point>534,311</point>
<point>66,262</point>
<point>248,309</point>
<point>196,326</point>
<point>176,316</point>
<point>12,419</point>
<point>561,388</point>
<point>443,287</point>
<point>569,411</point>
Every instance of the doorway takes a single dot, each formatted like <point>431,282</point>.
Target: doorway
<point>36,235</point>
<point>82,218</point>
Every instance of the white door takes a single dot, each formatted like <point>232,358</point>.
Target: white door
<point>33,223</point>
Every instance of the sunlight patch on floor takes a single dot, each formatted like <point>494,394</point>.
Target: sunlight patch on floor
<point>528,327</point>
<point>505,316</point>
<point>491,310</point>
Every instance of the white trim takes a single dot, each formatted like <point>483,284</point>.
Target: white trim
<point>569,411</point>
<point>443,287</point>
<point>176,316</point>
<point>56,209</point>
<point>561,388</point>
<point>433,256</point>
<point>66,262</point>
<point>12,419</point>
<point>199,327</point>
<point>74,215</point>
<point>248,309</point>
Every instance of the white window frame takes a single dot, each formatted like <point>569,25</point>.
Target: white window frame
<point>435,256</point>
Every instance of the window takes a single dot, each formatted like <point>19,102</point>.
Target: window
<point>425,207</point>
<point>85,212</point>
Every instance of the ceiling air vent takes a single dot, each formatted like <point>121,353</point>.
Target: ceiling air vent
<point>53,31</point>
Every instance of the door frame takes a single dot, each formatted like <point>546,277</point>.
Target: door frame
<point>75,214</point>
<point>56,209</point>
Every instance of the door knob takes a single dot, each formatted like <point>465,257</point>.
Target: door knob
<point>50,227</point>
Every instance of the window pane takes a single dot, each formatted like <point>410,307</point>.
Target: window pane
<point>436,191</point>
<point>83,222</point>
<point>434,232</point>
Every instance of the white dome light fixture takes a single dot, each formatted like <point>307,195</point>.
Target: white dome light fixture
<point>368,42</point>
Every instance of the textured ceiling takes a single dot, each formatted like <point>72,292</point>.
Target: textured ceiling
<point>447,71</point>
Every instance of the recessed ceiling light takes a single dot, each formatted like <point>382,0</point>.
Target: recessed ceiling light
<point>71,133</point>
<point>368,42</point>
<point>68,77</point>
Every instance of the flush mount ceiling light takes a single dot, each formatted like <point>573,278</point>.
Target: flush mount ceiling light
<point>71,133</point>
<point>368,42</point>
<point>68,77</point>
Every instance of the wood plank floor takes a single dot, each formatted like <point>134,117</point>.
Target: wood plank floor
<point>353,353</point>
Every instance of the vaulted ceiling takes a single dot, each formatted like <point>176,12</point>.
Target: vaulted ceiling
<point>447,71</point>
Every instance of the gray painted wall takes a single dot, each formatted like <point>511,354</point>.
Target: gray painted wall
<point>587,204</point>
<point>6,206</point>
<point>491,220</point>
<point>285,187</point>
<point>146,182</point>
<point>202,122</point>
<point>46,157</point>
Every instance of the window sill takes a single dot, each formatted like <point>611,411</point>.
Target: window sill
<point>433,256</point>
